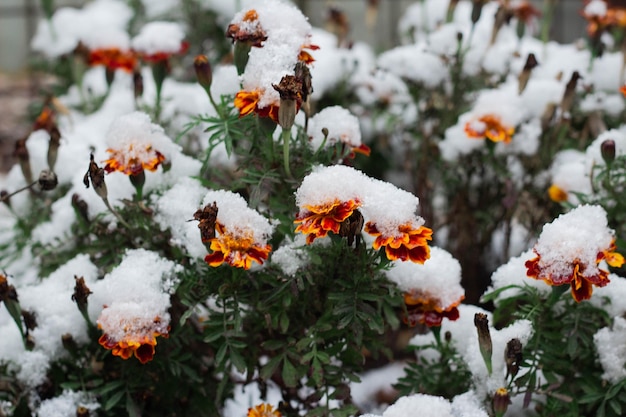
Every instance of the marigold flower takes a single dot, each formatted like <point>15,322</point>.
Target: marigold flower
<point>424,309</point>
<point>135,144</point>
<point>525,11</point>
<point>113,58</point>
<point>570,250</point>
<point>263,410</point>
<point>407,243</point>
<point>158,41</point>
<point>622,90</point>
<point>557,194</point>
<point>240,233</point>
<point>248,102</point>
<point>317,221</point>
<point>237,248</point>
<point>248,30</point>
<point>133,335</point>
<point>305,56</point>
<point>432,291</point>
<point>489,127</point>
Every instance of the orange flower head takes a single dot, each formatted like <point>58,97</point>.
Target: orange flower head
<point>263,410</point>
<point>570,250</point>
<point>134,159</point>
<point>425,309</point>
<point>46,119</point>
<point>622,90</point>
<point>407,243</point>
<point>317,221</point>
<point>236,234</point>
<point>236,248</point>
<point>305,56</point>
<point>128,336</point>
<point>113,58</point>
<point>248,102</point>
<point>247,30</point>
<point>557,194</point>
<point>489,127</point>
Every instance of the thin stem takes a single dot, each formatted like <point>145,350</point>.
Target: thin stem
<point>7,196</point>
<point>286,142</point>
<point>115,213</point>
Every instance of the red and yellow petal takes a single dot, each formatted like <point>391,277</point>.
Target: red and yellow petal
<point>317,221</point>
<point>246,102</point>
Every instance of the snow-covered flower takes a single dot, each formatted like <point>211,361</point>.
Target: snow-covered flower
<point>331,195</point>
<point>263,410</point>
<point>135,144</point>
<point>570,249</point>
<point>158,41</point>
<point>129,329</point>
<point>432,291</point>
<point>241,233</point>
<point>490,127</point>
<point>342,126</point>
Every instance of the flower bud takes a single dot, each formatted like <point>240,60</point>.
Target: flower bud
<point>501,401</point>
<point>204,72</point>
<point>524,76</point>
<point>137,83</point>
<point>477,9</point>
<point>607,149</point>
<point>484,339</point>
<point>240,56</point>
<point>47,180</point>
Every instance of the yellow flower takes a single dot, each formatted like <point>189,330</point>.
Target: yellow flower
<point>557,194</point>
<point>263,410</point>
<point>489,127</point>
<point>237,248</point>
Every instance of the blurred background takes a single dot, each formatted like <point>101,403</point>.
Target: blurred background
<point>18,22</point>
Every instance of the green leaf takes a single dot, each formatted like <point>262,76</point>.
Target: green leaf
<point>494,294</point>
<point>131,407</point>
<point>220,356</point>
<point>237,360</point>
<point>113,400</point>
<point>105,389</point>
<point>290,374</point>
<point>270,367</point>
<point>284,322</point>
<point>317,372</point>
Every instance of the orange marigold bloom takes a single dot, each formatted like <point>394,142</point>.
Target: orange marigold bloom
<point>139,340</point>
<point>236,248</point>
<point>622,89</point>
<point>247,102</point>
<point>317,221</point>
<point>134,159</point>
<point>557,194</point>
<point>424,309</point>
<point>305,56</point>
<point>113,58</point>
<point>408,243</point>
<point>490,127</point>
<point>46,119</point>
<point>263,410</point>
<point>248,31</point>
<point>577,276</point>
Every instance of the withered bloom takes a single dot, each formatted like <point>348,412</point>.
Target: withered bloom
<point>337,23</point>
<point>53,146</point>
<point>23,157</point>
<point>484,338</point>
<point>5,198</point>
<point>290,91</point>
<point>96,175</point>
<point>351,227</point>
<point>137,84</point>
<point>81,293</point>
<point>47,180</point>
<point>81,207</point>
<point>30,319</point>
<point>513,356</point>
<point>207,216</point>
<point>524,76</point>
<point>570,93</point>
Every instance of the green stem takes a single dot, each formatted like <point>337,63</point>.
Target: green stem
<point>286,142</point>
<point>115,213</point>
<point>548,11</point>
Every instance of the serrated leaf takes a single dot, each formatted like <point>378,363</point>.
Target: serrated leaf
<point>270,367</point>
<point>290,374</point>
